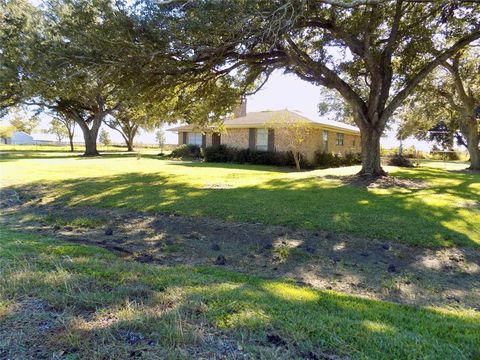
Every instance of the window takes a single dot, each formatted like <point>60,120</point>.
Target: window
<point>325,140</point>
<point>262,140</point>
<point>340,138</point>
<point>194,138</point>
<point>353,144</point>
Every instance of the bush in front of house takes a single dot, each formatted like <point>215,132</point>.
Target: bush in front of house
<point>399,160</point>
<point>326,159</point>
<point>186,151</point>
<point>219,153</point>
<point>223,153</point>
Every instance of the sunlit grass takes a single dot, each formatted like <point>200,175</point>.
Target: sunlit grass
<point>445,213</point>
<point>97,298</point>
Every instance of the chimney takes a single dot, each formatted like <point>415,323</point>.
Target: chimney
<point>241,110</point>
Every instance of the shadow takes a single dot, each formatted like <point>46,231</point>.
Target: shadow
<point>86,298</point>
<point>27,155</point>
<point>412,223</point>
<point>249,167</point>
<point>423,217</point>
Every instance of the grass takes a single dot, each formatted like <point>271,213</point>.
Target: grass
<point>445,213</point>
<point>78,149</point>
<point>74,301</point>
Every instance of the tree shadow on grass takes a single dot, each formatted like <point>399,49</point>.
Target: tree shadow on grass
<point>406,215</point>
<point>399,216</point>
<point>29,155</point>
<point>247,167</point>
<point>106,307</point>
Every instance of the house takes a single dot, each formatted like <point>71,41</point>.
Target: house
<point>268,131</point>
<point>19,138</point>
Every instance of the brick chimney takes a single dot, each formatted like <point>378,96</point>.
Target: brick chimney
<point>241,110</point>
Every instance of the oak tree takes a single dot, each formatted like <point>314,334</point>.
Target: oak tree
<point>373,52</point>
<point>447,103</point>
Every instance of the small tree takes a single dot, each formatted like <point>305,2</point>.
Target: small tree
<point>160,137</point>
<point>22,124</point>
<point>57,129</point>
<point>104,138</point>
<point>295,132</point>
<point>6,131</point>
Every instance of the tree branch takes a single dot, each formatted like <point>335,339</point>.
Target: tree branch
<point>402,95</point>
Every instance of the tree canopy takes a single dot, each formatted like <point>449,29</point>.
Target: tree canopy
<point>446,104</point>
<point>192,61</point>
<point>373,53</point>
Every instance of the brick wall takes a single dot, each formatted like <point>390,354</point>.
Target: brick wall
<point>237,138</point>
<point>314,142</point>
<point>348,146</point>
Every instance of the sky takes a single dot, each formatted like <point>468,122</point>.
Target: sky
<point>280,92</point>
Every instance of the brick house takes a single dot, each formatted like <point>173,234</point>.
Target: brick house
<point>268,131</point>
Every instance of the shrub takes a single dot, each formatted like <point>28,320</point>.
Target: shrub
<point>186,151</point>
<point>218,153</point>
<point>351,159</point>
<point>326,159</point>
<point>399,160</point>
<point>445,155</point>
<point>222,153</point>
<point>242,156</point>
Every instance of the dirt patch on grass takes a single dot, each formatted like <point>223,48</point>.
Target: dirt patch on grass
<point>372,268</point>
<point>382,182</point>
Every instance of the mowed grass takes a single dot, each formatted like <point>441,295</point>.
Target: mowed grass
<point>445,213</point>
<point>61,300</point>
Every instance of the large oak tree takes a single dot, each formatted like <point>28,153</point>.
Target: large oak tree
<point>373,52</point>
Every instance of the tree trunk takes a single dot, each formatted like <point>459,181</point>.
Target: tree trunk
<point>469,129</point>
<point>72,149</point>
<point>473,149</point>
<point>90,137</point>
<point>474,152</point>
<point>130,136</point>
<point>296,157</point>
<point>371,165</point>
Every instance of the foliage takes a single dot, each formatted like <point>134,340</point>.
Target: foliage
<point>219,153</point>
<point>186,152</point>
<point>444,154</point>
<point>294,131</point>
<point>160,138</point>
<point>17,19</point>
<point>399,160</point>
<point>58,129</point>
<point>445,106</point>
<point>373,55</point>
<point>223,153</point>
<point>26,125</point>
<point>334,107</point>
<point>6,131</point>
<point>104,138</point>
<point>327,159</point>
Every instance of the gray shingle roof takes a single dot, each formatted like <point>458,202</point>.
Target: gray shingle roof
<point>269,118</point>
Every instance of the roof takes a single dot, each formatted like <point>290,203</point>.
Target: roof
<point>264,118</point>
<point>21,133</point>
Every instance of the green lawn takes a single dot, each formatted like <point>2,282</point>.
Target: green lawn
<point>445,213</point>
<point>70,301</point>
